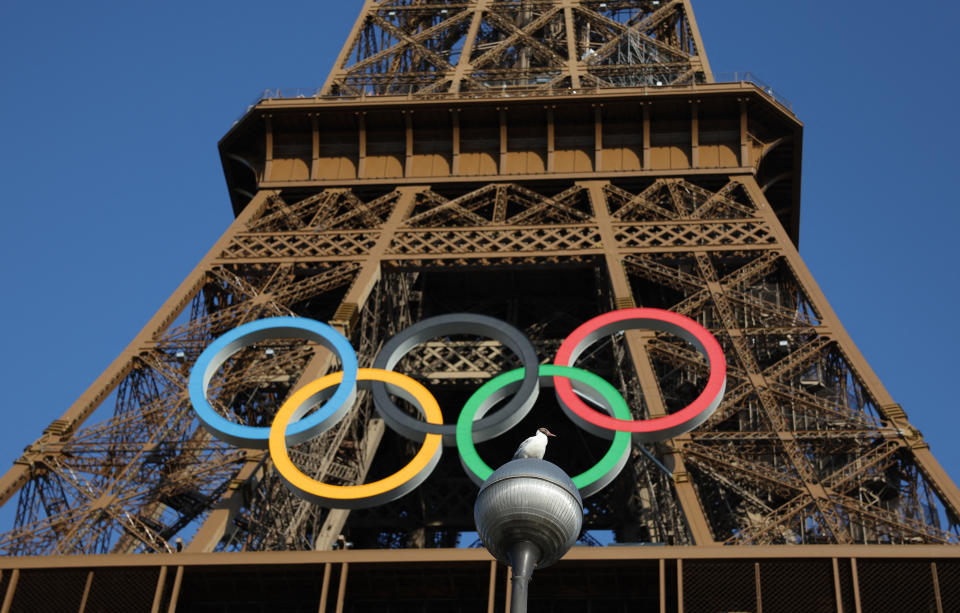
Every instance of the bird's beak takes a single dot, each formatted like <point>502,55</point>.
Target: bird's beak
<point>548,433</point>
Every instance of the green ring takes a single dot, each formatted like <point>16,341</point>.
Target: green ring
<point>608,466</point>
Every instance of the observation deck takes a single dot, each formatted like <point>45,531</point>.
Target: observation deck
<point>296,140</point>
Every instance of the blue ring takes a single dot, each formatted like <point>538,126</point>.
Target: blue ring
<point>257,437</point>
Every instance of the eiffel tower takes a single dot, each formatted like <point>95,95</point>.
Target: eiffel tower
<point>539,161</point>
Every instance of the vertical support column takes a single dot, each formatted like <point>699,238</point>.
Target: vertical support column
<point>503,140</point>
<point>268,164</point>
<point>573,62</point>
<point>680,585</point>
<point>492,587</point>
<point>361,145</point>
<point>936,586</point>
<point>342,588</point>
<point>455,164</point>
<point>636,347</point>
<point>463,63</point>
<point>551,139</point>
<point>695,134</point>
<point>756,578</point>
<point>315,147</point>
<point>408,143</point>
<point>597,137</point>
<point>158,593</point>
<point>663,585</point>
<point>175,592</point>
<point>11,590</point>
<point>856,586</point>
<point>86,592</point>
<point>744,142</point>
<point>646,136</point>
<point>325,587</point>
<point>838,595</point>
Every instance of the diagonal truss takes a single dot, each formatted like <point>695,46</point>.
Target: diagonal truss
<point>805,447</point>
<point>491,47</point>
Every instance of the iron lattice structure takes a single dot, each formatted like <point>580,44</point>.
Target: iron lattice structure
<point>539,161</point>
<point>481,48</point>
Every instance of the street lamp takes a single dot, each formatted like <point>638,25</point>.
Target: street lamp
<point>528,514</point>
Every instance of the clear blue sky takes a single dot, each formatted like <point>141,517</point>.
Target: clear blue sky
<point>112,188</point>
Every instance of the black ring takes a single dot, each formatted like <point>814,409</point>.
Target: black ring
<point>459,323</point>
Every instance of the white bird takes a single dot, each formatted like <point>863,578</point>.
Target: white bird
<point>535,446</point>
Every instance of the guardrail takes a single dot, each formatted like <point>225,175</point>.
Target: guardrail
<point>292,93</point>
<point>749,77</point>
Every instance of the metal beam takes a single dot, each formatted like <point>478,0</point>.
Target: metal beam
<point>90,400</point>
<point>636,341</point>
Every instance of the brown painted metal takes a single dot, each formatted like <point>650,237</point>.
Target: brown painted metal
<point>407,242</point>
<point>680,585</point>
<point>479,555</point>
<point>856,586</point>
<point>636,343</point>
<point>756,559</point>
<point>544,149</point>
<point>325,589</point>
<point>936,586</point>
<point>402,48</point>
<point>11,590</point>
<point>836,585</point>
<point>492,588</point>
<point>158,594</point>
<point>86,592</point>
<point>341,590</point>
<point>756,579</point>
<point>175,591</point>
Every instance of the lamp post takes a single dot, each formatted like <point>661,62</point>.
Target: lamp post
<point>528,514</point>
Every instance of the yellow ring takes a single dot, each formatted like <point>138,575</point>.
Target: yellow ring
<point>368,494</point>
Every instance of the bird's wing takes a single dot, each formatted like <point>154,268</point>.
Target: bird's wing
<point>524,448</point>
<point>521,450</point>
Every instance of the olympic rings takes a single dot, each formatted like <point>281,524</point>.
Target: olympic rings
<point>589,482</point>
<point>646,430</point>
<point>385,490</point>
<point>458,323</point>
<point>247,334</point>
<point>473,425</point>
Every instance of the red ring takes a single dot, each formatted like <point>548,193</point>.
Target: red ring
<point>656,319</point>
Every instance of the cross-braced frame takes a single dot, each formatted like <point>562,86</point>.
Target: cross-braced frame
<point>538,161</point>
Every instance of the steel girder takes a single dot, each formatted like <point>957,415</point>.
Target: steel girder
<point>805,447</point>
<point>489,47</point>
